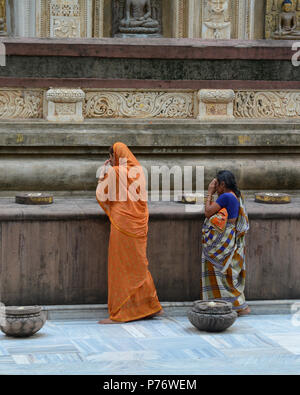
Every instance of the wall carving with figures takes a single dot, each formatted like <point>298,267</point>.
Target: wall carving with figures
<point>207,19</point>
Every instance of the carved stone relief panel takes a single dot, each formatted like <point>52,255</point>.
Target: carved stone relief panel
<point>3,22</point>
<point>21,104</point>
<point>64,18</point>
<point>136,17</point>
<point>139,104</point>
<point>267,104</point>
<point>282,20</point>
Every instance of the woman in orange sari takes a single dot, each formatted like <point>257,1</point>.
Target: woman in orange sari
<point>121,192</point>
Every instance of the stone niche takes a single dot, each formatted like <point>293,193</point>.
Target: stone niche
<point>282,23</point>
<point>137,18</point>
<point>57,18</point>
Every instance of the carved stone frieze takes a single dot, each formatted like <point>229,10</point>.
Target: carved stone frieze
<point>19,104</point>
<point>267,104</point>
<point>139,104</point>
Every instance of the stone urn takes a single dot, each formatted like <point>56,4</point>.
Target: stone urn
<point>21,321</point>
<point>212,316</point>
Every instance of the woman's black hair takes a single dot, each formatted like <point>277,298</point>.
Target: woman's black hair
<point>111,150</point>
<point>229,180</point>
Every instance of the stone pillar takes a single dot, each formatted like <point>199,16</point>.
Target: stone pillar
<point>65,105</point>
<point>216,104</point>
<point>180,19</point>
<point>24,18</point>
<point>98,18</point>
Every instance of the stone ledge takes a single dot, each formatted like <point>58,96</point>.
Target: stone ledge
<point>99,311</point>
<point>82,209</point>
<point>152,133</point>
<point>159,48</point>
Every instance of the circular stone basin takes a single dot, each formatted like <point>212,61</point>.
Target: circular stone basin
<point>21,321</point>
<point>212,316</point>
<point>34,198</point>
<point>272,198</point>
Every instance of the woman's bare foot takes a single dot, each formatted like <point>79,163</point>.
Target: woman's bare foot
<point>108,321</point>
<point>245,311</point>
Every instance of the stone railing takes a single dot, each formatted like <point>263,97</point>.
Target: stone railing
<point>78,105</point>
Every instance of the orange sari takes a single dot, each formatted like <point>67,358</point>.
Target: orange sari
<point>131,290</point>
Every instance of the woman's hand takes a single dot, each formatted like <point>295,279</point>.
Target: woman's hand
<point>103,170</point>
<point>212,188</point>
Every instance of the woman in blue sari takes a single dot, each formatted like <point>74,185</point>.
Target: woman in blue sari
<point>223,243</point>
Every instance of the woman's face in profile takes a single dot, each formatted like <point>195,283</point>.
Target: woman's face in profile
<point>112,159</point>
<point>220,187</point>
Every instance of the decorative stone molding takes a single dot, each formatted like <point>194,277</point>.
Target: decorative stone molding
<point>68,105</point>
<point>216,104</point>
<point>180,18</point>
<point>139,104</point>
<point>65,105</point>
<point>21,104</point>
<point>98,18</point>
<point>267,104</point>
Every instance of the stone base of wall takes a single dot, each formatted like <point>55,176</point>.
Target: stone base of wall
<point>41,156</point>
<point>57,254</point>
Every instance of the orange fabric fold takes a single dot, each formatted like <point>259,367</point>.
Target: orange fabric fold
<point>122,195</point>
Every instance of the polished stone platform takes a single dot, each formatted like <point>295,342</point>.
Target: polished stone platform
<point>169,345</point>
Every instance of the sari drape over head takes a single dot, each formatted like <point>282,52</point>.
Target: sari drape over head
<point>122,195</point>
<point>223,261</point>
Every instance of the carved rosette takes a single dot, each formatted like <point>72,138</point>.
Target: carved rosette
<point>216,104</point>
<point>139,105</point>
<point>65,105</point>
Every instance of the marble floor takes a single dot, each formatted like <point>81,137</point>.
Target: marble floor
<point>169,345</point>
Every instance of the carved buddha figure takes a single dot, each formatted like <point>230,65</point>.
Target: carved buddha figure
<point>287,22</point>
<point>217,24</point>
<point>138,18</point>
<point>2,17</point>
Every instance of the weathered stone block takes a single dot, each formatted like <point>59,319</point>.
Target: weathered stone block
<point>65,105</point>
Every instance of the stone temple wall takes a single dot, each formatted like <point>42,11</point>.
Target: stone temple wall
<point>245,19</point>
<point>195,83</point>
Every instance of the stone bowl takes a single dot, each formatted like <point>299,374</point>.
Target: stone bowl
<point>34,198</point>
<point>272,198</point>
<point>212,316</point>
<point>21,321</point>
